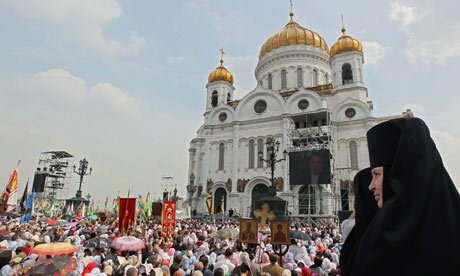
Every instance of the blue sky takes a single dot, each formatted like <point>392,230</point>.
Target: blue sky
<point>122,83</point>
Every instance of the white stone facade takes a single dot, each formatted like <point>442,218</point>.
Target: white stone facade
<point>322,86</point>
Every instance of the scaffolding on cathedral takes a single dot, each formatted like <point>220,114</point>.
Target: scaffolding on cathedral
<point>309,133</point>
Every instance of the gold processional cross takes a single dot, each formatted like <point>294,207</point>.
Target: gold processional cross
<point>264,214</point>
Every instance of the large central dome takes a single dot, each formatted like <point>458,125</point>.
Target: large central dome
<point>293,34</point>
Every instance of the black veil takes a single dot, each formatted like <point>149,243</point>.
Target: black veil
<point>417,230</point>
<point>365,209</point>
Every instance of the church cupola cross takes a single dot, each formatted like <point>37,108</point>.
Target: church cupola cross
<point>222,53</point>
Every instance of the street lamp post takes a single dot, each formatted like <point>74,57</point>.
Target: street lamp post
<point>82,172</point>
<point>272,151</point>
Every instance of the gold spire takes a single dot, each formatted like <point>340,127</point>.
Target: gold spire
<point>291,13</point>
<point>343,28</point>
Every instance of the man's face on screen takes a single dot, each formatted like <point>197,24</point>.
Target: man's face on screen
<point>316,164</point>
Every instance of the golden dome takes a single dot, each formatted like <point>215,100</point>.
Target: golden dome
<point>346,43</point>
<point>293,34</point>
<point>220,74</point>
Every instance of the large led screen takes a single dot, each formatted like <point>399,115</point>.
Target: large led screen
<point>309,167</point>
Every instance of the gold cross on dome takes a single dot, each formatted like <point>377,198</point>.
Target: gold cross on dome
<point>222,53</point>
<point>264,214</point>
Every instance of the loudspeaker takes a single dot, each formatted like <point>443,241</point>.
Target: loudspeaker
<point>39,182</point>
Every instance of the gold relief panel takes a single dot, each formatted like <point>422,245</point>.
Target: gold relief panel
<point>209,185</point>
<point>241,185</point>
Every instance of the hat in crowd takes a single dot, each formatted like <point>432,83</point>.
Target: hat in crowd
<point>108,269</point>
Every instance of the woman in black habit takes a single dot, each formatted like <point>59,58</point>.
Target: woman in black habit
<point>416,231</point>
<point>365,209</point>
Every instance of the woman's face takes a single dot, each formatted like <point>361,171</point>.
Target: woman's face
<point>376,185</point>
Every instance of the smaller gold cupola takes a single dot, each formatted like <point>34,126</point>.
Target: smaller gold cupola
<point>221,73</point>
<point>345,43</point>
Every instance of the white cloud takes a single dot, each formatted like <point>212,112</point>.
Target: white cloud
<point>449,147</point>
<point>58,86</point>
<point>430,30</point>
<point>403,14</point>
<point>374,52</point>
<point>82,20</point>
<point>175,60</point>
<point>437,47</point>
<point>117,99</point>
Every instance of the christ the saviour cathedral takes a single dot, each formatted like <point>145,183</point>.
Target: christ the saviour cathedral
<point>310,103</point>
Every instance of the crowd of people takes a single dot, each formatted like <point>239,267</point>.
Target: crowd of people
<point>199,247</point>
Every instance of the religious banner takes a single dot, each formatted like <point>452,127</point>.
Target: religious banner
<point>168,219</point>
<point>157,209</point>
<point>280,233</point>
<point>9,198</point>
<point>127,213</point>
<point>248,231</point>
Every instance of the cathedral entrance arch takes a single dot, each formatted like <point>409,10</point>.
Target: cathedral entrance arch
<point>220,198</point>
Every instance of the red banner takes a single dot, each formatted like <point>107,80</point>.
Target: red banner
<point>168,219</point>
<point>126,214</point>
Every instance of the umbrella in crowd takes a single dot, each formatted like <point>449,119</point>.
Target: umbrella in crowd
<point>52,221</point>
<point>299,235</point>
<point>56,266</point>
<point>128,243</point>
<point>59,223</point>
<point>227,233</point>
<point>98,242</point>
<point>9,214</point>
<point>53,249</point>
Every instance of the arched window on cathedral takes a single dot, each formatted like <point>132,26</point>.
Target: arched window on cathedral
<point>283,79</point>
<point>347,74</point>
<point>315,77</point>
<point>214,99</point>
<point>251,154</point>
<point>229,97</point>
<point>270,81</point>
<point>353,155</point>
<point>326,78</point>
<point>221,156</point>
<point>299,77</point>
<point>260,148</point>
